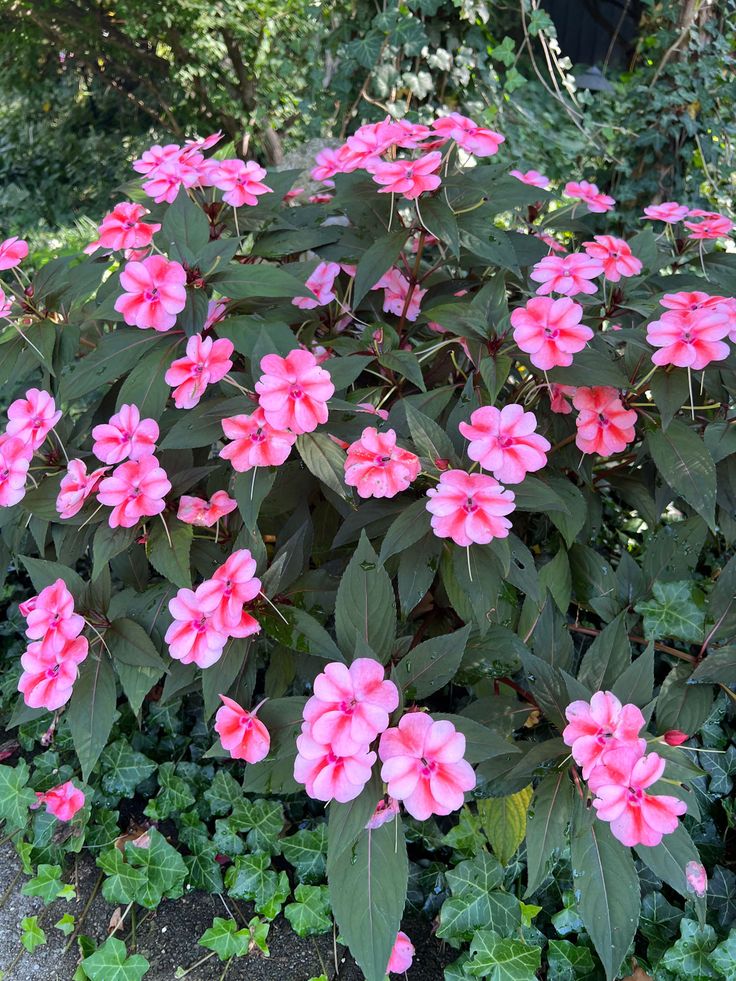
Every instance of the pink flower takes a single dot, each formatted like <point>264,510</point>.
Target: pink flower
<point>469,507</point>
<point>329,163</point>
<point>63,801</point>
<point>401,956</point>
<point>47,679</point>
<point>241,182</point>
<point>396,287</point>
<point>689,340</point>
<point>468,135</point>
<point>328,776</point>
<point>410,178</point>
<point>386,810</point>
<point>570,274</point>
<point>76,487</point>
<point>712,226</point>
<point>231,586</point>
<point>604,425</point>
<point>155,293</point>
<point>588,193</point>
<point>350,705</point>
<point>243,735</point>
<point>377,467</point>
<point>550,241</point>
<point>165,180</point>
<point>636,817</point>
<point>531,177</point>
<point>423,765</point>
<point>205,514</point>
<point>550,331</point>
<point>675,737</point>
<point>293,391</point>
<point>33,417</point>
<point>254,442</point>
<point>505,442</point>
<point>150,159</point>
<point>372,410</point>
<point>14,464</point>
<point>697,878</point>
<point>193,637</point>
<point>126,435</point>
<point>668,211</point>
<point>207,361</point>
<point>321,283</point>
<point>615,257</point>
<point>6,305</point>
<point>12,252</point>
<point>599,725</point>
<point>52,621</point>
<point>216,310</point>
<point>689,302</point>
<point>123,228</point>
<point>558,396</point>
<point>135,490</point>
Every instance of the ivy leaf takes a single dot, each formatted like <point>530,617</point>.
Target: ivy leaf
<point>690,957</point>
<point>723,958</point>
<point>306,850</point>
<point>502,958</point>
<point>123,883</point>
<point>123,768</point>
<point>162,866</point>
<point>204,869</point>
<point>310,914</point>
<point>110,963</point>
<point>32,935</point>
<point>15,796</point>
<point>225,939</point>
<point>263,820</point>
<point>223,793</point>
<point>569,962</point>
<point>66,924</point>
<point>175,795</point>
<point>677,610</point>
<point>47,883</point>
<point>504,822</point>
<point>476,901</point>
<point>722,895</point>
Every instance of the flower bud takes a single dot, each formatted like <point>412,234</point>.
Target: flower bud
<point>441,463</point>
<point>673,737</point>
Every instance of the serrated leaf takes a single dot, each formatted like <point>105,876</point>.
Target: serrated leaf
<point>91,711</point>
<point>324,458</point>
<point>549,815</point>
<point>171,559</point>
<point>375,261</point>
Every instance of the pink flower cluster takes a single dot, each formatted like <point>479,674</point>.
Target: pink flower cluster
<point>711,224</point>
<point>604,425</point>
<point>590,195</point>
<point>604,738</point>
<point>550,330</point>
<point>51,660</point>
<point>396,297</point>
<point>63,801</point>
<point>30,420</point>
<point>691,332</point>
<point>205,514</point>
<point>293,392</point>
<point>12,252</point>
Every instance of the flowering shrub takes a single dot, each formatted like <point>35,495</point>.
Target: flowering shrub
<point>378,546</point>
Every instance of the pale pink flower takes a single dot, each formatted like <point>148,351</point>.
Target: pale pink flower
<point>350,705</point>
<point>402,955</point>
<point>469,508</point>
<point>668,211</point>
<point>206,362</point>
<point>689,302</point>
<point>696,878</point>
<point>689,340</point>
<point>231,586</point>
<point>123,228</point>
<point>468,135</point>
<point>615,257</point>
<point>589,194</point>
<point>558,396</point>
<point>14,464</point>
<point>193,637</point>
<point>173,173</point>
<point>372,410</point>
<point>243,735</point>
<point>423,765</point>
<point>48,679</point>
<point>329,162</point>
<point>126,435</point>
<point>155,293</point>
<point>204,143</point>
<point>410,178</point>
<point>377,467</point>
<point>6,305</point>
<point>327,776</point>
<point>569,275</point>
<point>152,158</point>
<point>205,514</point>
<point>52,621</point>
<point>63,801</point>
<point>241,182</point>
<point>216,310</point>
<point>12,252</point>
<point>386,810</point>
<point>293,391</point>
<point>531,177</point>
<point>33,417</point>
<point>505,442</point>
<point>604,425</point>
<point>366,144</point>
<point>254,442</point>
<point>136,489</point>
<point>599,725</point>
<point>76,486</point>
<point>321,283</point>
<point>550,241</point>
<point>550,331</point>
<point>711,226</point>
<point>396,289</point>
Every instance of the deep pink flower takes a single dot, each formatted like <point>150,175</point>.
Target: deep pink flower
<point>386,810</point>
<point>207,361</point>
<point>569,275</point>
<point>615,257</point>
<point>558,396</point>
<point>377,467</point>
<point>321,283</point>
<point>76,486</point>
<point>396,288</point>
<point>126,435</point>
<point>48,679</point>
<point>241,182</point>
<point>205,514</point>
<point>12,252</point>
<point>152,158</point>
<point>690,302</point>
<point>173,173</point>
<point>329,163</point>
<point>52,621</point>
<point>689,340</point>
<point>327,776</point>
<point>123,228</point>
<point>469,508</point>
<point>350,705</point>
<point>531,177</point>
<point>550,331</point>
<point>135,490</point>
<point>193,637</point>
<point>468,135</point>
<point>668,211</point>
<point>604,425</point>
<point>423,765</point>
<point>231,586</point>
<point>243,735</point>
<point>587,192</point>
<point>505,442</point>
<point>402,955</point>
<point>550,241</point>
<point>254,442</point>
<point>293,391</point>
<point>155,293</point>
<point>410,178</point>
<point>599,725</point>
<point>33,417</point>
<point>14,464</point>
<point>675,737</point>
<point>711,226</point>
<point>63,801</point>
<point>697,878</point>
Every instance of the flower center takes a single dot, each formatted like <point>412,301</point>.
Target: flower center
<point>505,441</point>
<point>52,672</point>
<point>687,337</point>
<point>635,796</point>
<point>129,224</point>
<point>602,419</point>
<point>470,507</point>
<point>381,461</point>
<point>347,706</point>
<point>246,722</point>
<point>551,332</point>
<point>200,624</point>
<point>427,767</point>
<point>296,392</point>
<point>151,296</point>
<point>258,436</point>
<point>198,368</point>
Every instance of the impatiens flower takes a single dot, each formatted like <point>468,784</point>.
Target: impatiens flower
<point>396,289</point>
<point>52,621</point>
<point>615,257</point>
<point>182,170</point>
<point>135,490</point>
<point>63,801</point>
<point>569,275</point>
<point>329,163</point>
<point>6,305</point>
<point>350,705</point>
<point>377,467</point>
<point>254,442</point>
<point>33,417</point>
<point>76,486</point>
<point>386,810</point>
<point>48,679</point>
<point>14,464</point>
<point>531,177</point>
<point>469,508</point>
<point>505,442</point>
<point>321,283</point>
<point>12,252</point>
<point>689,340</point>
<point>423,765</point>
<point>243,735</point>
<point>558,396</point>
<point>231,586</point>
<point>372,410</point>
<point>604,425</point>
<point>205,514</point>
<point>712,226</point>
<point>327,776</point>
<point>636,817</point>
<point>468,135</point>
<point>675,737</point>
<point>600,725</point>
<point>689,302</point>
<point>550,331</point>
<point>193,637</point>
<point>125,436</point>
<point>293,391</point>
<point>155,293</point>
<point>241,182</point>
<point>587,192</point>
<point>124,228</point>
<point>207,361</point>
<point>410,178</point>
<point>216,310</point>
<point>402,955</point>
<point>152,158</point>
<point>696,878</point>
<point>550,241</point>
<point>668,211</point>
